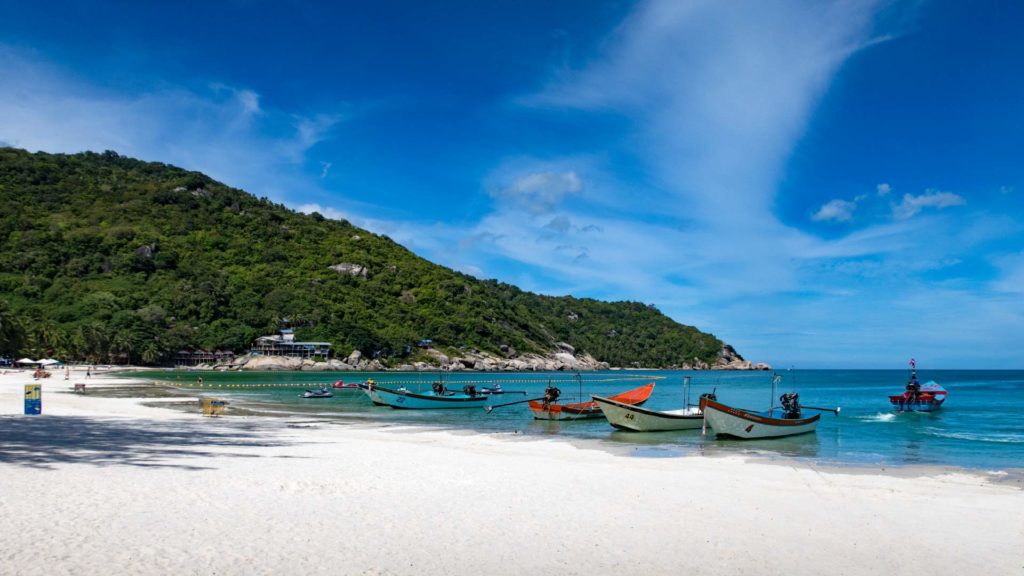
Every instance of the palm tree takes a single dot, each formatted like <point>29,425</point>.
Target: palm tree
<point>49,336</point>
<point>12,331</point>
<point>123,343</point>
<point>151,352</point>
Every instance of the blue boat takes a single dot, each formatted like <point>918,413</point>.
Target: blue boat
<point>438,398</point>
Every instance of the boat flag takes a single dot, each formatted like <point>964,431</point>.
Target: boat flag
<point>913,363</point>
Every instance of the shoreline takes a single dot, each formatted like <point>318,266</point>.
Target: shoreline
<point>102,485</point>
<point>186,398</point>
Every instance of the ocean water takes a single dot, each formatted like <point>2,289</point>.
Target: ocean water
<point>980,426</point>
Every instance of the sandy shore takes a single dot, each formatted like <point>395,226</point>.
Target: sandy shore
<point>102,485</point>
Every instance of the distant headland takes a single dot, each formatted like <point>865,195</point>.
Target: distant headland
<point>113,260</point>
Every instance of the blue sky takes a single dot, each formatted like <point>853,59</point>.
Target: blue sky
<point>819,184</point>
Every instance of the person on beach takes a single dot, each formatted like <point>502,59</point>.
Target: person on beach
<point>88,372</point>
<point>199,380</point>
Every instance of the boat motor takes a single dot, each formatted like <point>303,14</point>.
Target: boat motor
<point>551,394</point>
<point>790,405</point>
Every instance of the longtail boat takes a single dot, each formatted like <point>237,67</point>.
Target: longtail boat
<point>776,422</point>
<point>438,398</point>
<point>745,424</point>
<point>637,419</point>
<point>633,418</point>
<point>550,410</point>
<point>917,397</point>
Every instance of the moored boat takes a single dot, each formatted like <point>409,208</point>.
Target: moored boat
<point>745,424</point>
<point>323,392</point>
<point>438,398</point>
<point>633,418</point>
<point>548,409</point>
<point>776,422</point>
<point>637,419</point>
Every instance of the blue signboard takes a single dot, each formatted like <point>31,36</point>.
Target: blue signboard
<point>33,399</point>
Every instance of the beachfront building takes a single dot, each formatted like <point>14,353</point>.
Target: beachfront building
<point>284,344</point>
<point>196,357</point>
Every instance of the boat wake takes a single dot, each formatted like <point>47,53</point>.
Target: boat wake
<point>879,417</point>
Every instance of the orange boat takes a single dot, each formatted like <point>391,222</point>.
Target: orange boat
<point>580,410</point>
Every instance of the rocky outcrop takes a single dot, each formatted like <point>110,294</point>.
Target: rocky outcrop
<point>564,359</point>
<point>351,269</point>
<point>730,359</point>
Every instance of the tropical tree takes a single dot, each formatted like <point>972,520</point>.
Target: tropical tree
<point>12,331</point>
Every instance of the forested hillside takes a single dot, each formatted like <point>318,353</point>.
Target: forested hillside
<point>105,256</point>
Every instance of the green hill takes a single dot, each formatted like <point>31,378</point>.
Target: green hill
<point>106,256</point>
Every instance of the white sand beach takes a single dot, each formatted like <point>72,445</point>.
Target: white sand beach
<point>108,486</point>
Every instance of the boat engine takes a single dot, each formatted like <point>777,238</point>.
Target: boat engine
<point>790,405</point>
<point>438,388</point>
<point>469,390</point>
<point>551,394</point>
<point>709,396</point>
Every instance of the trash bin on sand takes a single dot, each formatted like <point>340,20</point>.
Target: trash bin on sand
<point>213,406</point>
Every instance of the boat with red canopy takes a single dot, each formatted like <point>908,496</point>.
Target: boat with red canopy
<point>917,397</point>
<point>548,409</point>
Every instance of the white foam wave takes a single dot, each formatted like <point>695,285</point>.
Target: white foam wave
<point>976,437</point>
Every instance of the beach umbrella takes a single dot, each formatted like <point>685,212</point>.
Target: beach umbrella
<point>26,361</point>
<point>49,361</point>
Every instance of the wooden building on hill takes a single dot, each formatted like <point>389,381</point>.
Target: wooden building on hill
<point>284,344</point>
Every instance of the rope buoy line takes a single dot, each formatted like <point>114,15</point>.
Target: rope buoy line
<point>389,382</point>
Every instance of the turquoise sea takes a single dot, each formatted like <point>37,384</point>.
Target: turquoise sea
<point>980,426</point>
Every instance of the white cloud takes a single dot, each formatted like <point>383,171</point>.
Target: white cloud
<point>540,192</point>
<point>911,204</point>
<point>835,210</point>
<point>883,189</point>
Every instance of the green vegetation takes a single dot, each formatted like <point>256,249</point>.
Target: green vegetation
<point>105,257</point>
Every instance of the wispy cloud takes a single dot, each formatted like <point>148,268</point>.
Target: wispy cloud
<point>222,130</point>
<point>911,204</point>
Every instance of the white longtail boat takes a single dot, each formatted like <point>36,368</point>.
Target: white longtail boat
<point>745,424</point>
<point>633,418</point>
<point>774,423</point>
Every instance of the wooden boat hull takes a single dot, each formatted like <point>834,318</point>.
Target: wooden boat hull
<point>406,400</point>
<point>587,410</point>
<point>729,421</point>
<point>636,419</point>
